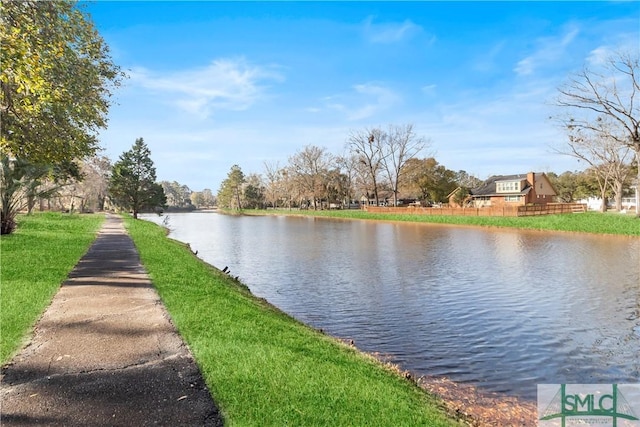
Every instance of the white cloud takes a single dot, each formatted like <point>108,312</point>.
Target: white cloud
<point>599,55</point>
<point>364,101</point>
<point>603,54</point>
<point>429,89</point>
<point>225,84</point>
<point>391,32</point>
<point>548,51</point>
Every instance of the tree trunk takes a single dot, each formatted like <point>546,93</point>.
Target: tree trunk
<point>31,202</point>
<point>617,194</point>
<point>603,207</point>
<point>238,200</point>
<point>375,192</point>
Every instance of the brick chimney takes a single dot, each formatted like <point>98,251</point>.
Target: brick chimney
<point>532,197</point>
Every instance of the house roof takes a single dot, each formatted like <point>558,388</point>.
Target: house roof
<point>454,192</point>
<point>488,188</point>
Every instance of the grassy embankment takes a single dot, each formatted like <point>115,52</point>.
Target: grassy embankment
<point>34,261</point>
<point>589,222</point>
<point>263,367</point>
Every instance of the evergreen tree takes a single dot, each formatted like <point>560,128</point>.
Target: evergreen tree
<point>133,181</point>
<point>230,192</point>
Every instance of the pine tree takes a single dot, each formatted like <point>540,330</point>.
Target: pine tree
<point>133,181</point>
<point>230,192</point>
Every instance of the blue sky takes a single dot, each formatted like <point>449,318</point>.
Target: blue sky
<point>212,84</point>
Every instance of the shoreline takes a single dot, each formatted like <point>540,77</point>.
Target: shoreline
<point>475,407</point>
<point>479,407</point>
<point>430,223</point>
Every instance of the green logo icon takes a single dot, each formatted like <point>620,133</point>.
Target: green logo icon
<point>583,402</point>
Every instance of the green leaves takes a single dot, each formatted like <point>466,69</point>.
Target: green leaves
<point>133,181</point>
<point>55,83</point>
<point>22,183</point>
<point>230,192</point>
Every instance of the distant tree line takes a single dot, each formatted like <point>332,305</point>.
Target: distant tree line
<point>380,166</point>
<point>340,184</point>
<point>181,197</point>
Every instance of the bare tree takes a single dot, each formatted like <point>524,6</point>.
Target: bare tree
<point>273,182</point>
<point>348,165</point>
<point>608,95</point>
<point>202,199</point>
<point>400,145</point>
<point>178,195</point>
<point>208,198</point>
<point>309,168</point>
<point>603,155</point>
<point>367,146</point>
<point>466,180</point>
<point>290,190</point>
<point>609,160</point>
<point>96,172</point>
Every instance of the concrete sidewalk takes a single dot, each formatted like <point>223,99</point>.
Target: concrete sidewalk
<point>105,352</point>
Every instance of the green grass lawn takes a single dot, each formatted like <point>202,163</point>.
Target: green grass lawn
<point>34,261</point>
<point>265,368</point>
<point>589,222</point>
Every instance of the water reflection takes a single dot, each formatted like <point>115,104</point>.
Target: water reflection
<point>500,309</point>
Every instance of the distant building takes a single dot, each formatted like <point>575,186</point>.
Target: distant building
<point>514,190</point>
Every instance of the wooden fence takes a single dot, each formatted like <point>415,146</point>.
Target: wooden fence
<point>510,211</point>
<point>552,209</point>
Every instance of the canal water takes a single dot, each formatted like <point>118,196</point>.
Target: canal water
<point>502,310</point>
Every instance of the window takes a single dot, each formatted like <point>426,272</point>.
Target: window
<point>512,198</point>
<point>507,186</point>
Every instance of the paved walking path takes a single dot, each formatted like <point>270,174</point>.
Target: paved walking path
<point>105,352</point>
